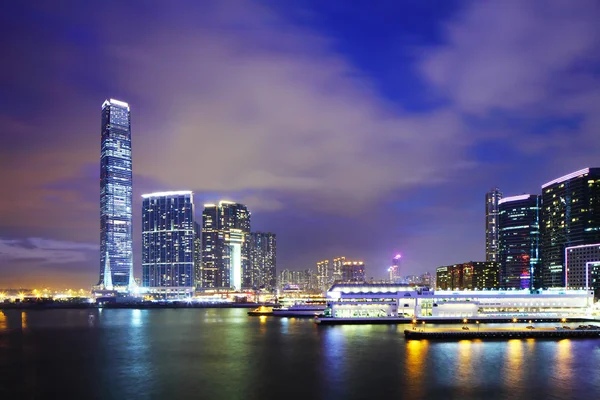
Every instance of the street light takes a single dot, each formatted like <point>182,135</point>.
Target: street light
<point>414,322</point>
<point>477,326</point>
<point>423,325</point>
<point>514,322</point>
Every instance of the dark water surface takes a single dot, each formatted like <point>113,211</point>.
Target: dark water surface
<point>224,354</point>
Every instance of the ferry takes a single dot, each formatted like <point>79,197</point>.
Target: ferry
<point>262,310</point>
<point>308,309</point>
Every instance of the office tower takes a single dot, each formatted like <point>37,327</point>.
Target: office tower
<point>336,272</point>
<point>225,246</point>
<point>583,267</point>
<point>518,237</point>
<point>197,254</point>
<point>394,269</point>
<point>168,236</point>
<point>570,217</point>
<point>353,271</point>
<point>473,275</point>
<point>323,270</point>
<point>427,279</point>
<point>491,224</point>
<point>116,237</point>
<point>263,260</point>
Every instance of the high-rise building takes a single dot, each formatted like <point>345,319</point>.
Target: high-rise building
<point>323,270</point>
<point>116,236</point>
<point>168,236</point>
<point>518,236</point>
<point>570,217</point>
<point>394,269</point>
<point>583,267</point>
<point>491,224</point>
<point>353,271</point>
<point>263,260</point>
<point>336,272</point>
<point>473,275</point>
<point>226,246</point>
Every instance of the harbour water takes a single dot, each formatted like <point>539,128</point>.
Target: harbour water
<point>225,354</point>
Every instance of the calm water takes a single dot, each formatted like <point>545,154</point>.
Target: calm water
<point>224,354</point>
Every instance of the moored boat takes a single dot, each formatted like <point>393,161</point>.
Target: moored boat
<point>262,310</point>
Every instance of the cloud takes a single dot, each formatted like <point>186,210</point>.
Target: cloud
<point>45,251</point>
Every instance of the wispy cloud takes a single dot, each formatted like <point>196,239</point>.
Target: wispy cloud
<point>46,251</point>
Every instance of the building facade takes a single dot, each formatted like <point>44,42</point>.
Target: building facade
<point>263,260</point>
<point>518,238</point>
<point>336,273</point>
<point>473,275</point>
<point>570,217</point>
<point>583,267</point>
<point>394,270</point>
<point>168,240</point>
<point>116,229</point>
<point>491,224</point>
<point>226,246</point>
<point>323,271</point>
<point>353,271</point>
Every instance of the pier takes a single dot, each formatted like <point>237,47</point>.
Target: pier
<point>502,334</point>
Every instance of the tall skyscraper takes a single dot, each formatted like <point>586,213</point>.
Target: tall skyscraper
<point>353,271</point>
<point>336,272</point>
<point>491,224</point>
<point>570,217</point>
<point>263,260</point>
<point>225,246</point>
<point>116,236</point>
<point>168,237</point>
<point>394,269</point>
<point>323,271</point>
<point>583,267</point>
<point>519,236</point>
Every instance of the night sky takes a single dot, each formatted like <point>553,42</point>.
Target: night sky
<point>356,128</point>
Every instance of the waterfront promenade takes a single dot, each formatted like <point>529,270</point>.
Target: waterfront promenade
<point>501,333</point>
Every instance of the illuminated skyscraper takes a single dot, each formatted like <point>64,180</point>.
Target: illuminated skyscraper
<point>394,269</point>
<point>491,224</point>
<point>473,275</point>
<point>353,271</point>
<point>335,274</point>
<point>116,236</point>
<point>263,260</point>
<point>323,272</point>
<point>519,236</point>
<point>168,235</point>
<point>225,246</point>
<point>570,217</point>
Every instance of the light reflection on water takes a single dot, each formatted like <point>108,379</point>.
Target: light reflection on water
<point>223,353</point>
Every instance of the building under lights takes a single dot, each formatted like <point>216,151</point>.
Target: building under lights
<point>491,224</point>
<point>403,301</point>
<point>168,241</point>
<point>353,271</point>
<point>394,269</point>
<point>263,260</point>
<point>583,267</point>
<point>337,268</point>
<point>323,271</point>
<point>225,247</point>
<point>570,217</point>
<point>518,237</point>
<point>116,235</point>
<point>473,275</point>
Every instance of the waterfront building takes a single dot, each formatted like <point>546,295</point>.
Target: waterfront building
<point>323,270</point>
<point>491,224</point>
<point>168,240</point>
<point>263,260</point>
<point>518,237</point>
<point>353,271</point>
<point>583,267</point>
<point>394,269</point>
<point>392,300</point>
<point>336,273</point>
<point>305,280</point>
<point>116,230</point>
<point>226,247</point>
<point>570,217</point>
<point>473,275</point>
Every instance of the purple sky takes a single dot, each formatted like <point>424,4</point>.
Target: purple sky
<point>348,128</point>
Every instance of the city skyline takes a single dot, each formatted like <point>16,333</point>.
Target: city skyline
<point>341,137</point>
